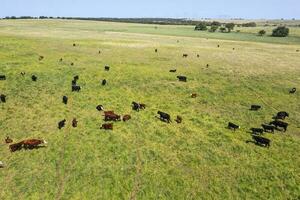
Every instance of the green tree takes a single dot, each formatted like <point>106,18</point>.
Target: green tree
<point>281,31</point>
<point>202,26</point>
<point>213,28</point>
<point>230,27</point>
<point>222,29</point>
<point>261,32</point>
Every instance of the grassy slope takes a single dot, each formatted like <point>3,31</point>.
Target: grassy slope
<point>145,158</point>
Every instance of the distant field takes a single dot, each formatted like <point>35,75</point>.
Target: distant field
<point>145,158</point>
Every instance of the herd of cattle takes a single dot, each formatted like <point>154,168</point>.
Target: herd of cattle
<point>110,116</point>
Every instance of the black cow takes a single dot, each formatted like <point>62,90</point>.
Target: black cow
<point>2,77</point>
<point>104,82</point>
<point>182,78</point>
<point>99,52</point>
<point>218,45</point>
<point>106,68</point>
<point>3,98</point>
<point>76,88</point>
<point>173,70</point>
<point>60,60</point>
<point>178,119</point>
<point>293,90</point>
<point>76,78</point>
<point>72,64</point>
<point>257,130</point>
<point>65,100</point>
<point>232,126</point>
<point>261,141</point>
<point>207,65</point>
<point>185,55</point>
<point>23,73</point>
<point>297,50</point>
<point>282,115</point>
<point>74,45</point>
<point>255,107</point>
<point>74,123</point>
<point>268,128</point>
<point>41,58</point>
<point>280,124</point>
<point>138,106</point>
<point>61,124</point>
<point>156,50</point>
<point>34,78</point>
<point>164,117</point>
<point>198,55</point>
<point>107,126</point>
<point>100,108</point>
<point>74,82</point>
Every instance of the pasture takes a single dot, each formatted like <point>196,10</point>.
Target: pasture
<point>145,158</point>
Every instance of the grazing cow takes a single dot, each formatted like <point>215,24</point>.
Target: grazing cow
<point>156,50</point>
<point>268,128</point>
<point>106,68</point>
<point>76,78</point>
<point>23,73</point>
<point>207,65</point>
<point>72,64</point>
<point>297,50</point>
<point>164,117</point>
<point>282,115</point>
<point>138,106</point>
<point>233,49</point>
<point>99,52</point>
<point>32,143</point>
<point>255,107</point>
<point>76,88</point>
<point>232,126</point>
<point>280,124</point>
<point>8,140</point>
<point>104,82</point>
<point>2,98</point>
<point>112,117</point>
<point>107,126</point>
<point>218,45</point>
<point>60,60</point>
<point>257,131</point>
<point>194,95</point>
<point>178,119</point>
<point>16,146</point>
<point>100,108</point>
<point>1,164</point>
<point>126,118</point>
<point>184,55</point>
<point>142,106</point>
<point>61,124</point>
<point>65,100</point>
<point>41,58</point>
<point>74,45</point>
<point>182,78</point>
<point>74,123</point>
<point>2,77</point>
<point>34,78</point>
<point>293,90</point>
<point>173,70</point>
<point>198,55</point>
<point>261,141</point>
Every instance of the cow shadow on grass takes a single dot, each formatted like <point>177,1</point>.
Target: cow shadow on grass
<point>33,148</point>
<point>160,119</point>
<point>257,144</point>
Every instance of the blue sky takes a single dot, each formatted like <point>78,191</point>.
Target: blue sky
<point>252,9</point>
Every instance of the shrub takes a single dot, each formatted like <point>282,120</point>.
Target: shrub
<point>230,27</point>
<point>261,32</point>
<point>281,31</point>
<point>213,28</point>
<point>201,26</point>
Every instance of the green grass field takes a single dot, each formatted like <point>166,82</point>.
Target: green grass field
<point>146,158</point>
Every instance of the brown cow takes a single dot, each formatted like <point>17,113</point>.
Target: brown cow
<point>32,143</point>
<point>194,95</point>
<point>107,126</point>
<point>112,117</point>
<point>16,147</point>
<point>126,118</point>
<point>8,140</point>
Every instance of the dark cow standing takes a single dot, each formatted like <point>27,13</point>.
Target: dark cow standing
<point>138,106</point>
<point>184,55</point>
<point>16,146</point>
<point>2,98</point>
<point>100,108</point>
<point>8,140</point>
<point>110,116</point>
<point>61,124</point>
<point>104,82</point>
<point>76,88</point>
<point>106,68</point>
<point>74,122</point>
<point>156,50</point>
<point>268,128</point>
<point>173,70</point>
<point>255,107</point>
<point>280,124</point>
<point>207,65</point>
<point>182,78</point>
<point>194,95</point>
<point>2,77</point>
<point>257,131</point>
<point>261,141</point>
<point>72,64</point>
<point>60,60</point>
<point>293,90</point>
<point>74,45</point>
<point>198,55</point>
<point>23,73</point>
<point>107,126</point>
<point>65,100</point>
<point>76,78</point>
<point>179,119</point>
<point>282,115</point>
<point>126,118</point>
<point>232,126</point>
<point>164,117</point>
<point>99,52</point>
<point>34,78</point>
<point>41,58</point>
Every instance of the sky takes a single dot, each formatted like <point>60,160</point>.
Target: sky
<point>248,9</point>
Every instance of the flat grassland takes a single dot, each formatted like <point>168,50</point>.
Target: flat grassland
<point>145,158</point>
